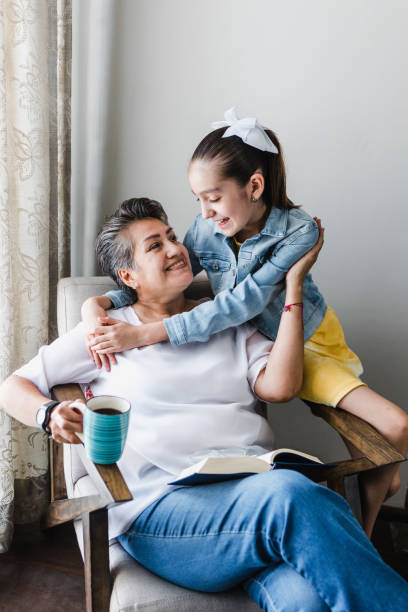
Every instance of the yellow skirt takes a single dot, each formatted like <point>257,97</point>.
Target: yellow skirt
<point>331,369</point>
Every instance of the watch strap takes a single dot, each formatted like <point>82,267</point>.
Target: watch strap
<point>48,406</point>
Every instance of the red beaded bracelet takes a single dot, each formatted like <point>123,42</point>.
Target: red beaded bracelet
<point>287,307</point>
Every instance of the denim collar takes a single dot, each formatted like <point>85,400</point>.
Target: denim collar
<point>276,223</point>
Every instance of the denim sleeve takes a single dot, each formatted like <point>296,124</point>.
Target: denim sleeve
<point>248,299</point>
<point>119,298</point>
<point>189,241</point>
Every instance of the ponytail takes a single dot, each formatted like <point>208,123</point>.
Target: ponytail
<point>239,161</point>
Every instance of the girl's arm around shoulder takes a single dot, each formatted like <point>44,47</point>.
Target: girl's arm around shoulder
<point>117,336</point>
<point>93,313</point>
<point>95,307</point>
<point>250,297</point>
<point>118,298</point>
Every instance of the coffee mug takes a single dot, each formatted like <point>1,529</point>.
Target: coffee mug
<point>105,427</point>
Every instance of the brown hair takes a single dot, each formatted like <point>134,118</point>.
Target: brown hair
<point>239,161</point>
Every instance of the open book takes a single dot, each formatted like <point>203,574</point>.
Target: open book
<point>216,469</point>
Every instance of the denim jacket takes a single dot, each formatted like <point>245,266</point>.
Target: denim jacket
<point>249,286</point>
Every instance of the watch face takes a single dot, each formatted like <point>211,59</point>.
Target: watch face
<point>40,416</point>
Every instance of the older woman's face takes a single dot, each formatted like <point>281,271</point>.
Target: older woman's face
<point>161,263</point>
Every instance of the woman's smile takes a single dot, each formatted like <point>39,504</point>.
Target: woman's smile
<point>178,265</point>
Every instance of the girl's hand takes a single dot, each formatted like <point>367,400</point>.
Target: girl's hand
<point>113,335</point>
<point>100,360</point>
<point>64,422</point>
<point>93,310</point>
<point>117,336</point>
<point>297,273</point>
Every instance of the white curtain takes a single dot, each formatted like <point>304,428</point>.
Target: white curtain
<point>35,77</point>
<point>93,47</point>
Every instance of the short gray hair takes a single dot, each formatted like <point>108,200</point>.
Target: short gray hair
<point>114,249</point>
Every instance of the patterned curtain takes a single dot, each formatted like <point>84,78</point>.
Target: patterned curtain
<point>35,97</point>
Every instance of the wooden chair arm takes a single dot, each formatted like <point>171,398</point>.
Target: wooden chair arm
<point>92,509</point>
<point>108,479</point>
<point>364,437</point>
<point>376,450</point>
<point>109,474</point>
<point>341,469</point>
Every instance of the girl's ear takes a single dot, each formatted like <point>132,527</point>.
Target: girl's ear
<point>256,185</point>
<point>128,278</point>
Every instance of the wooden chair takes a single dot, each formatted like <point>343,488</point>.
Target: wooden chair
<point>113,580</point>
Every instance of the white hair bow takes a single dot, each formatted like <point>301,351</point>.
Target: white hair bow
<point>248,129</point>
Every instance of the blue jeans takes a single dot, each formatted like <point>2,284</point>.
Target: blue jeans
<point>293,544</point>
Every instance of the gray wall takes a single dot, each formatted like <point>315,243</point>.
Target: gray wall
<point>330,78</point>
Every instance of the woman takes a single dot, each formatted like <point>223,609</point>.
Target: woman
<point>293,544</point>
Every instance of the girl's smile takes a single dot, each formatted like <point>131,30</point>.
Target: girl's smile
<point>225,202</point>
<point>223,222</point>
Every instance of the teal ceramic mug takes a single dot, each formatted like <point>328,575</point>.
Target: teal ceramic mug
<point>105,427</point>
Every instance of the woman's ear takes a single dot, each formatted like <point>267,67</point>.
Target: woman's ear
<point>128,278</point>
<point>256,185</point>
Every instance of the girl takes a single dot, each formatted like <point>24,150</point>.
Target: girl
<point>246,238</point>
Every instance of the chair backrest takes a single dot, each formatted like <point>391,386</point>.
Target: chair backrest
<point>73,291</point>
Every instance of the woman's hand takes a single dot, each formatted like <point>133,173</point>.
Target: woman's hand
<point>297,273</point>
<point>64,422</point>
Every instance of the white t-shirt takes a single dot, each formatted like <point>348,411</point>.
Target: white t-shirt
<point>187,402</point>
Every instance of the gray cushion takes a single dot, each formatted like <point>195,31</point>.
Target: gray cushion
<point>72,292</point>
<point>135,588</point>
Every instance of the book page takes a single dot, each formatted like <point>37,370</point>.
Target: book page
<point>274,455</point>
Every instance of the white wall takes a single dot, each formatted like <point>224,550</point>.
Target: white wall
<point>330,78</point>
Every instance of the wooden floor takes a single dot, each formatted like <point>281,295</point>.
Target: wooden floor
<point>42,572</point>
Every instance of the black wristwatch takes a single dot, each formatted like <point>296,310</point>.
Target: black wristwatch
<point>44,414</point>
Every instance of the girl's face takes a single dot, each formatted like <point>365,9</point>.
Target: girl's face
<point>225,202</point>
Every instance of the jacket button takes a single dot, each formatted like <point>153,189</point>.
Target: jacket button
<point>215,266</point>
